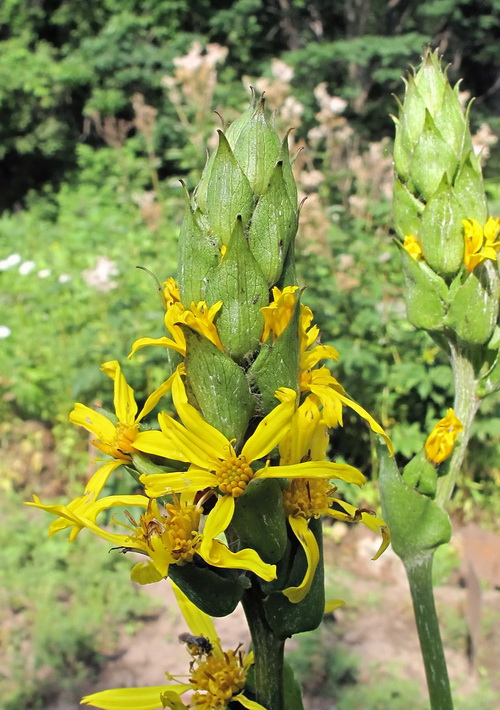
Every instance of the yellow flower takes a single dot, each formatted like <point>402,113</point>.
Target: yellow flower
<point>311,498</point>
<point>117,440</point>
<point>216,464</point>
<point>166,536</point>
<point>198,317</point>
<point>325,387</point>
<point>413,247</point>
<point>441,440</point>
<point>217,677</point>
<point>480,241</point>
<point>333,397</point>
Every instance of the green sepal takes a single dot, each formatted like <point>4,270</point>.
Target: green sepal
<point>473,312</point>
<point>200,194</point>
<point>257,148</point>
<point>228,193</point>
<point>441,231</point>
<point>407,210</point>
<point>420,473</point>
<point>219,385</point>
<point>450,121</point>
<point>239,283</point>
<point>425,294</point>
<point>417,523</point>
<point>469,190</point>
<point>286,618</point>
<point>217,592</point>
<point>277,364</point>
<point>288,178</point>
<point>274,225</point>
<point>259,519</point>
<point>288,275</point>
<point>198,257</point>
<point>235,128</point>
<point>432,159</point>
<point>431,81</point>
<point>411,115</point>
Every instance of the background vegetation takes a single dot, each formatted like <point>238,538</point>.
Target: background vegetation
<point>105,105</point>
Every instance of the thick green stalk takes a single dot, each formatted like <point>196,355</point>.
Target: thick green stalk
<point>419,573</point>
<point>465,406</point>
<point>268,654</point>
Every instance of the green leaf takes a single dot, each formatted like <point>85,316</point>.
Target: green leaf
<point>418,525</point>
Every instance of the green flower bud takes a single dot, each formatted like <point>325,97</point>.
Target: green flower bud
<point>438,178</point>
<point>473,311</point>
<point>426,294</point>
<point>421,474</point>
<point>219,385</point>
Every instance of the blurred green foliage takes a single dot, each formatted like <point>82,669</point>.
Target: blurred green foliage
<point>62,611</point>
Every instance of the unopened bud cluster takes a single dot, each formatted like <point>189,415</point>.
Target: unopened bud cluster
<point>440,212</point>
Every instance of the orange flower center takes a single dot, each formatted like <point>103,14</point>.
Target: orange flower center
<point>217,679</point>
<point>125,436</point>
<point>308,497</point>
<point>233,475</point>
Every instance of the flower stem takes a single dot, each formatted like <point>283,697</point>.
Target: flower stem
<point>268,653</point>
<point>420,577</point>
<point>465,406</point>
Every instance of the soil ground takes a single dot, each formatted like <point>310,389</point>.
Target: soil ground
<point>376,625</point>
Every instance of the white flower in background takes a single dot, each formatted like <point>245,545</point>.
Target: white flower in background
<point>43,273</point>
<point>5,331</point>
<point>99,278</point>
<point>11,260</point>
<point>64,278</point>
<point>26,267</point>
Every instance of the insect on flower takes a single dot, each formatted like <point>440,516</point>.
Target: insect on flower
<point>197,645</point>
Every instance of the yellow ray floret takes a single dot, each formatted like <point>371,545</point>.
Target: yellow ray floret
<point>117,439</point>
<point>168,535</point>
<point>441,440</point>
<point>217,677</point>
<point>480,242</point>
<point>214,462</point>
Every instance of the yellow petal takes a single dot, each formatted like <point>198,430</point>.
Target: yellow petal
<point>162,342</point>
<point>124,400</point>
<point>145,573</point>
<point>332,604</point>
<point>199,623</point>
<point>132,698</point>
<point>155,397</point>
<point>310,358</point>
<point>371,521</point>
<point>210,438</point>
<point>159,444</point>
<point>295,446</point>
<point>249,704</point>
<point>272,428</point>
<point>219,518</point>
<point>314,469</point>
<point>93,421</point>
<point>218,555</point>
<point>309,544</point>
<point>160,484</point>
<point>199,446</point>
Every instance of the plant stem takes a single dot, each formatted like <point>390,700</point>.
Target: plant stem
<point>420,577</point>
<point>268,651</point>
<point>465,406</point>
